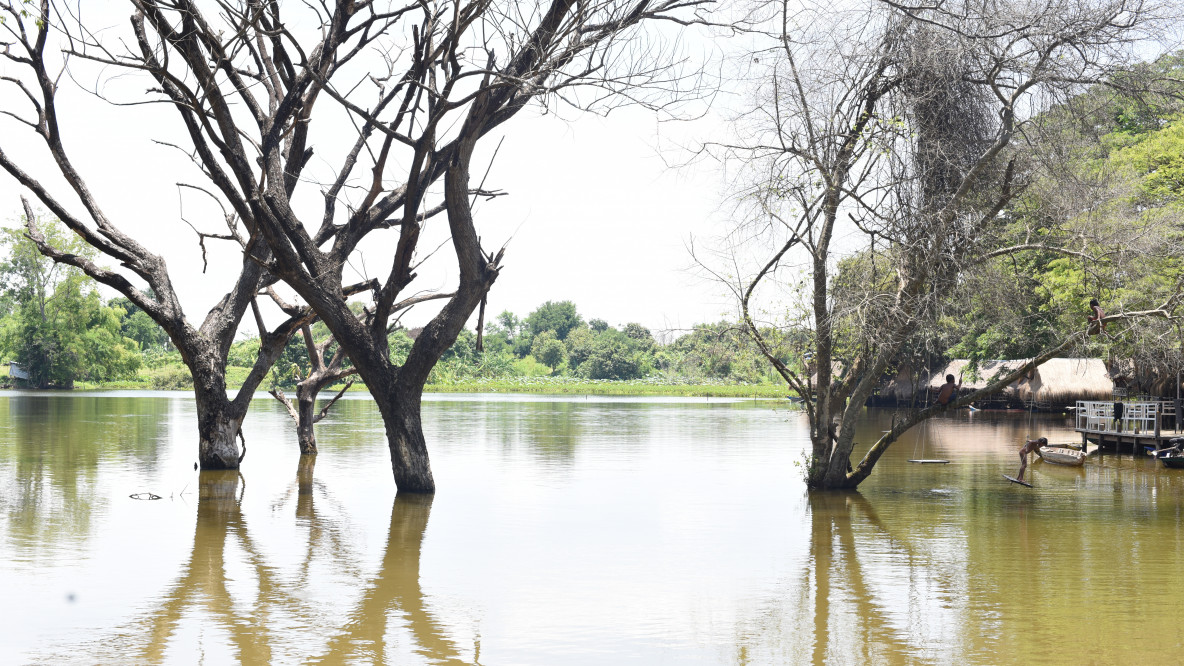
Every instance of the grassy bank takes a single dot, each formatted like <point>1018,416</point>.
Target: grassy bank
<point>576,386</point>
<point>540,385</point>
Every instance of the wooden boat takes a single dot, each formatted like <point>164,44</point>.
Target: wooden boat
<point>1061,455</point>
<point>1173,458</point>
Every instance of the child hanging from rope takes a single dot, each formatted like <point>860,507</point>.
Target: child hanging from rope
<point>1029,446</point>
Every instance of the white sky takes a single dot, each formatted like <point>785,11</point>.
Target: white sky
<point>593,214</point>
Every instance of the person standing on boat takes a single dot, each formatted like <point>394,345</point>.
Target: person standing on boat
<point>1096,325</point>
<point>948,391</point>
<point>1029,446</point>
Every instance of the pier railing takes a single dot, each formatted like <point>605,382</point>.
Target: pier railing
<point>1137,417</point>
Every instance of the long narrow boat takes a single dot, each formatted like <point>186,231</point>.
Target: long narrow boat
<point>1061,455</point>
<point>1172,458</point>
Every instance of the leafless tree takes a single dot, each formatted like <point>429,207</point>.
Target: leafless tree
<point>421,82</point>
<point>321,373</point>
<point>903,132</point>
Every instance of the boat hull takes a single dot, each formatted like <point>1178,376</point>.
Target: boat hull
<point>1062,456</point>
<point>1174,462</point>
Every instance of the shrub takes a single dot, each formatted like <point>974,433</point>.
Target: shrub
<point>170,378</point>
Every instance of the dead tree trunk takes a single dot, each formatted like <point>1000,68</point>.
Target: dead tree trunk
<point>321,374</point>
<point>245,87</point>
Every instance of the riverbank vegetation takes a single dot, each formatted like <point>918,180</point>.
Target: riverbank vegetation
<point>914,183</point>
<point>952,178</point>
<point>550,350</point>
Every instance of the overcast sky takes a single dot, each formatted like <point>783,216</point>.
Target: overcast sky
<point>595,211</point>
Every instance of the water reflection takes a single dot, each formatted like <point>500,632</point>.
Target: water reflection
<point>672,533</point>
<point>396,588</point>
<point>863,594</point>
<point>204,586</point>
<point>247,603</point>
<point>837,572</point>
<point>51,448</point>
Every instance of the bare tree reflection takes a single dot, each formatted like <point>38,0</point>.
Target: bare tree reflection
<point>396,587</point>
<point>211,593</point>
<point>855,596</point>
<point>832,541</point>
<point>204,583</point>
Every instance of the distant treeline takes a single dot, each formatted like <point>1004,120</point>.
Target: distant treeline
<point>55,325</point>
<point>555,340</point>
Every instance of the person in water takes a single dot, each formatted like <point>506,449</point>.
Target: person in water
<point>948,391</point>
<point>1096,325</point>
<point>1029,446</point>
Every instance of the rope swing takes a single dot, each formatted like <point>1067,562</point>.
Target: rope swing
<point>922,440</point>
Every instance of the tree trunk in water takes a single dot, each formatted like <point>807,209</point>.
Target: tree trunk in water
<point>304,496</point>
<point>218,426</point>
<point>304,470</point>
<point>306,406</point>
<point>217,446</point>
<point>404,435</point>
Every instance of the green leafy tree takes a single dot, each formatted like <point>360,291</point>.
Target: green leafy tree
<point>501,333</point>
<point>57,326</point>
<point>579,345</point>
<point>612,357</point>
<point>134,323</point>
<point>640,335</point>
<point>552,354</point>
<point>560,317</point>
<point>539,341</point>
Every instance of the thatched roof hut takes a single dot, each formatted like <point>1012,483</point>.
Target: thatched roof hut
<point>900,387</point>
<point>1063,381</point>
<point>837,368</point>
<point>1058,382</point>
<point>1055,383</point>
<point>986,373</point>
<point>908,381</point>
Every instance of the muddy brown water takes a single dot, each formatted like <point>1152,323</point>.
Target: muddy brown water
<point>571,531</point>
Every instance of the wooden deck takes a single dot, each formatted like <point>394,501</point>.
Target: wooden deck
<point>1143,424</point>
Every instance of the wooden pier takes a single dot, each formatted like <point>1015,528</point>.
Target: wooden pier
<point>1143,424</point>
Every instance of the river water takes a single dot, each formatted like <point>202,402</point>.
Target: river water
<point>571,531</point>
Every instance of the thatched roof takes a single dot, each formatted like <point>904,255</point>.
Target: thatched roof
<point>902,385</point>
<point>1058,381</point>
<point>837,368</point>
<point>1065,380</point>
<point>987,371</point>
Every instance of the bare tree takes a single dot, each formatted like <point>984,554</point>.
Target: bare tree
<point>422,84</point>
<point>321,373</point>
<point>143,276</point>
<point>903,132</point>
